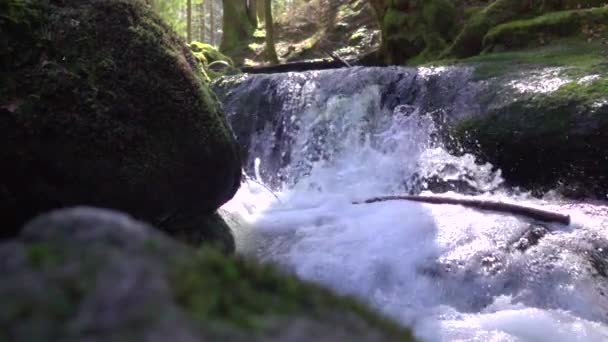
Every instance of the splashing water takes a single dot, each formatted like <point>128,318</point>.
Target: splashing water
<point>450,273</point>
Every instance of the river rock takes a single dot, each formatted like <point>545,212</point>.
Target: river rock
<point>102,104</point>
<point>99,275</point>
<point>545,127</point>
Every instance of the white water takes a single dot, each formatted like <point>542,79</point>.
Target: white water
<point>450,273</point>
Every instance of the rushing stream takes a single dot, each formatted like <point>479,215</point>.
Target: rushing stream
<point>322,140</point>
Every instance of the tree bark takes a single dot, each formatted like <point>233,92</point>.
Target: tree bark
<point>271,52</point>
<point>252,7</point>
<point>201,7</point>
<point>211,23</point>
<point>260,9</point>
<point>238,29</point>
<point>189,21</point>
<point>516,209</point>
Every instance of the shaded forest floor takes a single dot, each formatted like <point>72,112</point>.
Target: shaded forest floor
<point>347,28</point>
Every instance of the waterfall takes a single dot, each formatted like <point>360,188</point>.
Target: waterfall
<point>324,139</point>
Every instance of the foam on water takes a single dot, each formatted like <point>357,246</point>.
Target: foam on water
<point>451,273</point>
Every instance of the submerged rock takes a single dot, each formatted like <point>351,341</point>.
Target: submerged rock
<point>98,275</point>
<point>102,104</point>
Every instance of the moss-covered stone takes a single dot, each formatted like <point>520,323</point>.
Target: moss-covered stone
<point>469,41</point>
<point>587,24</point>
<point>102,104</point>
<point>120,280</point>
<point>209,52</point>
<point>547,140</point>
<point>575,56</point>
<point>213,63</point>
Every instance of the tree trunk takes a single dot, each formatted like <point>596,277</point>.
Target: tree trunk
<point>260,4</point>
<point>379,7</point>
<point>238,29</point>
<point>189,21</point>
<point>212,29</point>
<point>252,7</point>
<point>414,28</point>
<point>271,52</point>
<point>202,21</point>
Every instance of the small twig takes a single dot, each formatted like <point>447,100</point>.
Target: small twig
<point>537,214</point>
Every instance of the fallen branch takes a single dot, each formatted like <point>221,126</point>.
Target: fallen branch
<point>335,62</point>
<point>315,64</point>
<point>537,214</point>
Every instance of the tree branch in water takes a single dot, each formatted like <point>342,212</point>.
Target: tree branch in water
<point>533,213</point>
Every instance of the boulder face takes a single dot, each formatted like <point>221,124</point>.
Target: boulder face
<point>543,118</point>
<point>98,275</point>
<point>102,104</point>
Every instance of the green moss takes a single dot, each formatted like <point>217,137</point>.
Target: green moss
<point>237,30</point>
<point>43,255</point>
<point>111,91</point>
<point>206,55</point>
<point>259,33</point>
<point>210,53</point>
<point>576,56</point>
<point>236,295</point>
<point>561,133</point>
<point>470,40</point>
<point>588,24</point>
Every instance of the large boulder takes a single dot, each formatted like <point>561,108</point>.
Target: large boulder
<point>544,118</point>
<point>102,104</point>
<point>85,274</point>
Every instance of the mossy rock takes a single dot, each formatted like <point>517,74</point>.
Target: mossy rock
<point>546,141</point>
<point>210,53</point>
<point>469,41</point>
<point>96,275</point>
<point>213,63</point>
<point>102,104</point>
<point>541,30</point>
<point>574,55</point>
